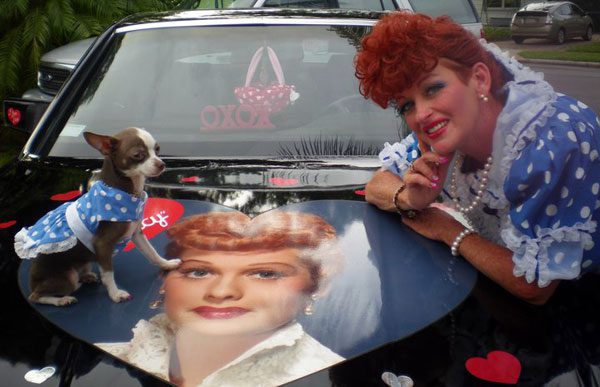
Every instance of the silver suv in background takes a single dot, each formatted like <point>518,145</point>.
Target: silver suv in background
<point>55,67</point>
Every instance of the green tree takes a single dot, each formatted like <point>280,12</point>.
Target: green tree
<point>29,28</point>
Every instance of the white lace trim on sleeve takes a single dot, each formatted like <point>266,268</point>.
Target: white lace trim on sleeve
<point>530,255</point>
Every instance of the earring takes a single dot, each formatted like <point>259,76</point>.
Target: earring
<point>159,301</point>
<point>483,97</point>
<point>309,309</point>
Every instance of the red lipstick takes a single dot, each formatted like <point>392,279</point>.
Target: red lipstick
<point>211,313</point>
<point>439,131</point>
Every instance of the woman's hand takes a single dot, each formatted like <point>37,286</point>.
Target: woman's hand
<point>425,180</point>
<point>434,223</point>
<point>382,187</point>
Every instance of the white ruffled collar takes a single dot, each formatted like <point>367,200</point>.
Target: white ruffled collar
<point>529,100</point>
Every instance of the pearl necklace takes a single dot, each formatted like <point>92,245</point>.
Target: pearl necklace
<point>482,185</point>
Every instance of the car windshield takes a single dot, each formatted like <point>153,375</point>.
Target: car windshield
<point>538,7</point>
<point>201,94</point>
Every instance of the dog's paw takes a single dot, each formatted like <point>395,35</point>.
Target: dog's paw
<point>88,278</point>
<point>120,296</point>
<point>66,300</point>
<point>170,264</point>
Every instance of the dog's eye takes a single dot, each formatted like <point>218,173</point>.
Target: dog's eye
<point>138,156</point>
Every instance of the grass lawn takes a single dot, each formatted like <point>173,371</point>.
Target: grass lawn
<point>589,52</point>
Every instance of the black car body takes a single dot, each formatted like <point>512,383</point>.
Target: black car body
<point>406,306</point>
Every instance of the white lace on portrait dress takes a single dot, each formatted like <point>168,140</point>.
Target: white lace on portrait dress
<point>287,355</point>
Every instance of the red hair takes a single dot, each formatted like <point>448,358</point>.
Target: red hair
<point>234,231</point>
<point>405,46</point>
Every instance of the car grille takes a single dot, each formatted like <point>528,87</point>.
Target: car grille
<point>50,79</point>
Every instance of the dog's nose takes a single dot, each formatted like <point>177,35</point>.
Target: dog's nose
<point>159,164</point>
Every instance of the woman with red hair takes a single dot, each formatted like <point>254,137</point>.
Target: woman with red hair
<point>517,161</point>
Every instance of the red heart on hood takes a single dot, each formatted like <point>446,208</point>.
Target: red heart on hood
<point>14,116</point>
<point>498,367</point>
<point>66,196</point>
<point>190,179</point>
<point>159,214</point>
<point>282,182</point>
<point>8,224</point>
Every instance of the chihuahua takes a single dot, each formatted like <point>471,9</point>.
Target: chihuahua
<point>66,241</point>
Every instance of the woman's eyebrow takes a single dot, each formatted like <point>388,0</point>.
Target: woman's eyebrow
<point>192,260</point>
<point>262,264</point>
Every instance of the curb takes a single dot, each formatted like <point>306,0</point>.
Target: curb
<point>558,62</point>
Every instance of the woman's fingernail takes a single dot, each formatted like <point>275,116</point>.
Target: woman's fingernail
<point>434,185</point>
<point>435,178</point>
<point>443,159</point>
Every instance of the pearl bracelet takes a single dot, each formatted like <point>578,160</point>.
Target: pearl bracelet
<point>458,239</point>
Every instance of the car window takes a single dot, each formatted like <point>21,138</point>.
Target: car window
<point>196,90</point>
<point>297,3</point>
<point>564,10</point>
<point>576,10</point>
<point>461,11</point>
<point>367,4</point>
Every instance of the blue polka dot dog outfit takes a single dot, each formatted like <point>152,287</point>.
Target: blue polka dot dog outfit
<point>60,228</point>
<point>541,200</point>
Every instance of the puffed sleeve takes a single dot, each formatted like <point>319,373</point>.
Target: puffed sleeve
<point>552,189</point>
<point>397,157</point>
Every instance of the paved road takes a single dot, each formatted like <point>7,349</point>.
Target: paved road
<point>579,80</point>
<point>582,83</point>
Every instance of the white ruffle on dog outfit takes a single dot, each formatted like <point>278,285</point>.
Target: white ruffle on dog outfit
<point>541,201</point>
<point>60,228</point>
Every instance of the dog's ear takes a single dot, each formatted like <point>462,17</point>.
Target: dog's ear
<point>105,144</point>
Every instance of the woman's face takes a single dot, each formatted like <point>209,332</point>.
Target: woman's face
<point>442,110</point>
<point>236,293</point>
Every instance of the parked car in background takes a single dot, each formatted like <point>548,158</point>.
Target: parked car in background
<point>55,67</point>
<point>556,21</point>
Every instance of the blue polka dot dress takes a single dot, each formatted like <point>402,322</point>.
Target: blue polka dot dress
<point>542,198</point>
<point>60,229</point>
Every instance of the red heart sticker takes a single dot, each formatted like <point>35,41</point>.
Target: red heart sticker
<point>8,224</point>
<point>14,116</point>
<point>282,182</point>
<point>360,192</point>
<point>190,179</point>
<point>159,214</point>
<point>498,367</point>
<point>66,196</point>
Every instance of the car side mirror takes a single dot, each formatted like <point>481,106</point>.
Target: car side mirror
<point>23,115</point>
